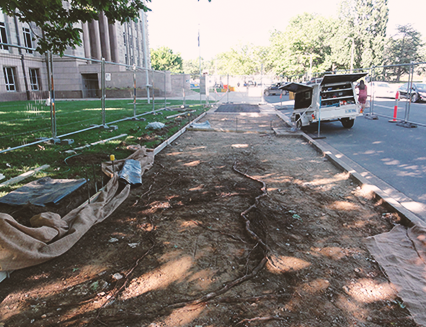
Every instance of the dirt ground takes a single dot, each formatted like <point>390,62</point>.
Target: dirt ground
<point>228,229</point>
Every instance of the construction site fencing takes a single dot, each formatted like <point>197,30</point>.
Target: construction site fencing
<point>50,97</point>
<point>218,87</point>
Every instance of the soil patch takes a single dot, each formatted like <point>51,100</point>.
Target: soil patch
<point>228,229</point>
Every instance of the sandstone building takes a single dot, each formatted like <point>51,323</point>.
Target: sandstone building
<point>24,71</point>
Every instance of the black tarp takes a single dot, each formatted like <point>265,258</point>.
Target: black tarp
<point>42,191</point>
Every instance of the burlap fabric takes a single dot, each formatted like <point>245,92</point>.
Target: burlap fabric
<point>402,254</point>
<point>50,235</point>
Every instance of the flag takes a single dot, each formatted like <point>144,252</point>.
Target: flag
<point>198,38</point>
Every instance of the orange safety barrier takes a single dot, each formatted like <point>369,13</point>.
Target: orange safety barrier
<point>395,109</point>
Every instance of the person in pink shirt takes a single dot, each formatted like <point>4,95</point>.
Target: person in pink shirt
<point>362,96</point>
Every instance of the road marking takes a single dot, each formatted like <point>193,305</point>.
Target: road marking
<point>379,105</point>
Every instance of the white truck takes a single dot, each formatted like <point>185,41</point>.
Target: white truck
<point>332,99</point>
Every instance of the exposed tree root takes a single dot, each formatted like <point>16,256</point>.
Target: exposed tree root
<point>266,318</point>
<point>252,299</point>
<point>254,206</point>
<point>226,288</point>
<point>125,281</point>
<point>149,190</point>
<point>219,231</point>
<point>210,296</point>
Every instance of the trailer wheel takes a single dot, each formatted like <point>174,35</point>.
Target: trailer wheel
<point>298,123</point>
<point>347,123</point>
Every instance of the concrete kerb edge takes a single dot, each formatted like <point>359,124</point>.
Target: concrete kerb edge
<point>167,142</point>
<point>407,216</point>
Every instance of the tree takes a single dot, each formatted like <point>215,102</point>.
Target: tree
<point>365,22</point>
<point>57,18</point>
<point>305,43</point>
<point>244,59</point>
<point>402,48</point>
<point>192,67</point>
<point>163,58</point>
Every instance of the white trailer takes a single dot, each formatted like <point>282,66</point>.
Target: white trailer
<point>334,98</point>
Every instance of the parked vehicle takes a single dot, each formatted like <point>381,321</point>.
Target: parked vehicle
<point>315,81</point>
<point>274,89</point>
<point>418,92</point>
<point>380,90</point>
<point>334,98</point>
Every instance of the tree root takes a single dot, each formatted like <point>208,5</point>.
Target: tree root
<point>208,297</point>
<point>266,318</point>
<point>251,299</point>
<point>126,279</point>
<point>236,238</point>
<point>253,206</point>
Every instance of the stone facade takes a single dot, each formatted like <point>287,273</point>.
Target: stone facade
<point>78,73</point>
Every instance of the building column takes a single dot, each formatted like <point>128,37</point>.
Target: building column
<point>86,41</point>
<point>113,43</point>
<point>95,40</point>
<point>104,35</point>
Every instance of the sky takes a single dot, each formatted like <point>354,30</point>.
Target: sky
<point>224,24</point>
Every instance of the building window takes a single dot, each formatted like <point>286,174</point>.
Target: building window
<point>9,78</point>
<point>28,40</point>
<point>3,34</point>
<point>34,80</point>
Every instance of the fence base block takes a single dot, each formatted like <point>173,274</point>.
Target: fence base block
<point>406,124</point>
<point>67,141</point>
<point>371,116</point>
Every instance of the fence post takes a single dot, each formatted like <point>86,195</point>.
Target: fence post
<point>165,93</point>
<point>49,57</point>
<point>183,90</point>
<point>406,122</point>
<point>148,96</point>
<point>103,93</point>
<point>134,91</point>
<point>153,93</point>
<point>370,115</point>
<point>227,90</point>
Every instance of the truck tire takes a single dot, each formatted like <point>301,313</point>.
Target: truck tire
<point>347,123</point>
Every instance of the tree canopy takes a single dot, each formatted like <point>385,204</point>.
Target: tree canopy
<point>243,59</point>
<point>163,58</point>
<point>305,41</point>
<point>403,48</point>
<point>58,18</point>
<point>365,22</point>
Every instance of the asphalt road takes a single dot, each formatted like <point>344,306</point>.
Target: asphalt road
<point>397,155</point>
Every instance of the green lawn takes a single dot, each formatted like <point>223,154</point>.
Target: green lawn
<point>22,122</point>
